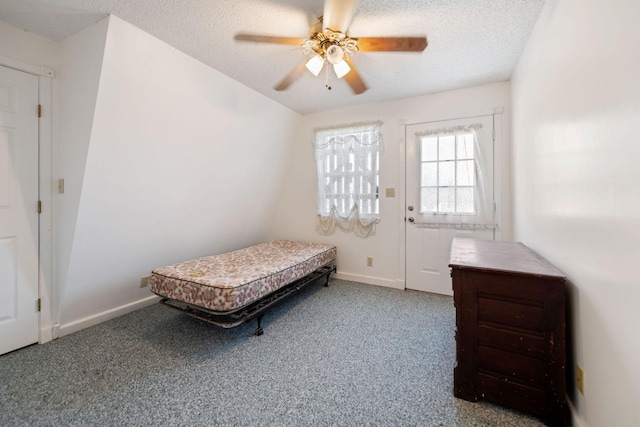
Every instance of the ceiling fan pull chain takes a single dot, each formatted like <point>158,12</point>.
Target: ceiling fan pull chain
<point>326,78</point>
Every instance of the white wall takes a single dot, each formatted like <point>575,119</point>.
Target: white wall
<point>77,78</point>
<point>576,100</point>
<point>297,207</point>
<point>180,161</point>
<point>27,47</point>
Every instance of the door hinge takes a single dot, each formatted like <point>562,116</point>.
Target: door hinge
<point>39,304</point>
<point>39,206</point>
<point>39,110</point>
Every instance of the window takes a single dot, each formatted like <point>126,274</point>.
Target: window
<point>447,174</point>
<point>348,163</point>
<point>453,167</point>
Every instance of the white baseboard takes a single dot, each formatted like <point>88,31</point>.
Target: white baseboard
<point>387,283</point>
<point>68,328</point>
<point>77,325</point>
<point>46,334</point>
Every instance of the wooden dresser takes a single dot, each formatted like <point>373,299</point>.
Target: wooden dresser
<point>510,327</point>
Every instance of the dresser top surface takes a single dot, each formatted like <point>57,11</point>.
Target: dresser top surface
<point>512,257</point>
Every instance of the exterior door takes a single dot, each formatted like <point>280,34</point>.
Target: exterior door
<point>429,189</point>
<point>19,317</point>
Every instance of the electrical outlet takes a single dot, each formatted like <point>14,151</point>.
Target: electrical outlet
<point>369,261</point>
<point>144,282</point>
<point>580,379</point>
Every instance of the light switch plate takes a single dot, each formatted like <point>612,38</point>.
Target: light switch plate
<point>579,379</point>
<point>390,192</point>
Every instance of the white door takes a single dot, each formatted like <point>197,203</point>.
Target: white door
<point>18,209</point>
<point>443,172</point>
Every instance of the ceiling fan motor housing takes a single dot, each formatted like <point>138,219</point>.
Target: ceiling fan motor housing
<point>332,45</point>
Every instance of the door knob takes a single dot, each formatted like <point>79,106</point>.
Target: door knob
<point>410,208</point>
<point>411,220</point>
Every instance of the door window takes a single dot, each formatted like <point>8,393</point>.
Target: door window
<point>452,173</point>
<point>447,174</point>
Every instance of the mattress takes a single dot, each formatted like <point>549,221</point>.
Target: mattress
<point>229,281</point>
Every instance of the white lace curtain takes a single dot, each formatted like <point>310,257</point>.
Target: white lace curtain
<point>348,161</point>
<point>476,211</point>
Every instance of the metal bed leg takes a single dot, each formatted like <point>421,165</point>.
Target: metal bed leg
<point>259,331</point>
<point>332,270</point>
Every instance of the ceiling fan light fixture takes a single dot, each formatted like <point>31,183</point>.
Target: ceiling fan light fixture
<point>314,65</point>
<point>335,54</point>
<point>341,68</point>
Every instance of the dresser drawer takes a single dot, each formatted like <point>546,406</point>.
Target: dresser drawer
<point>526,315</point>
<point>514,395</point>
<point>511,366</point>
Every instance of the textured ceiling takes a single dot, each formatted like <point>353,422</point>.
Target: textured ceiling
<point>471,42</point>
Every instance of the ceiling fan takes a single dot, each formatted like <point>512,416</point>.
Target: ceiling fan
<point>330,42</point>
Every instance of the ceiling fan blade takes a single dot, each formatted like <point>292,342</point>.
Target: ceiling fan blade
<point>294,75</point>
<point>354,80</point>
<point>389,44</point>
<point>269,39</point>
<point>338,14</point>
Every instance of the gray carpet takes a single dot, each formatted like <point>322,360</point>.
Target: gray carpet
<point>347,355</point>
